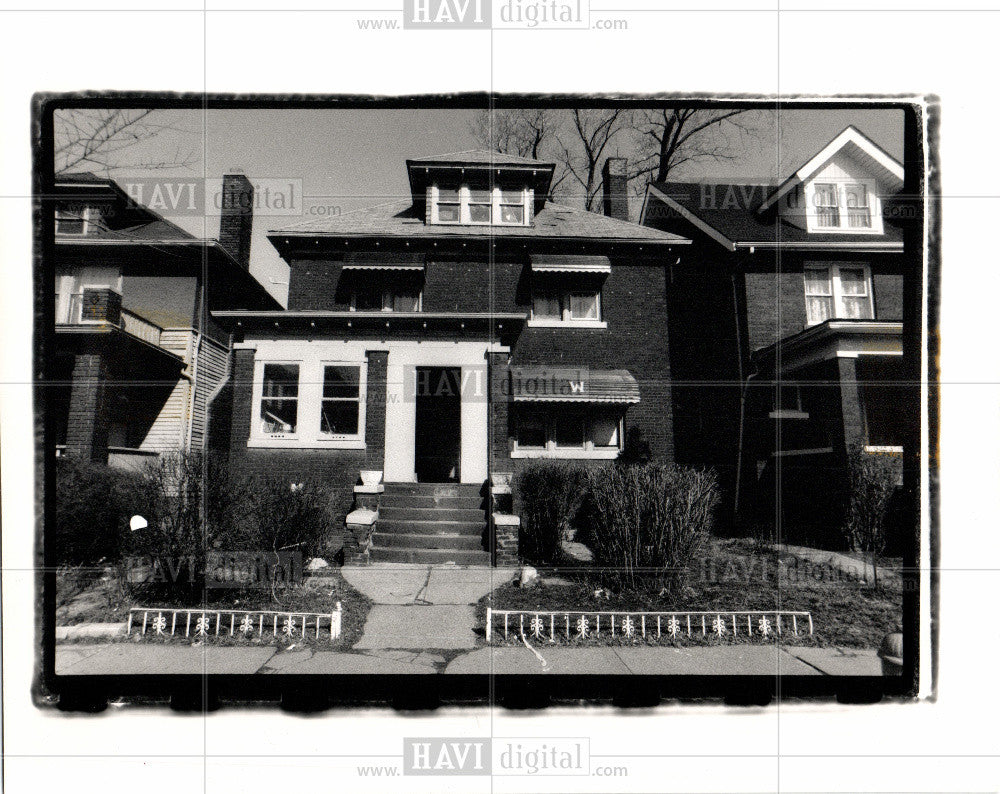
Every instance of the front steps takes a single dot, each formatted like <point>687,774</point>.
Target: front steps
<point>429,523</point>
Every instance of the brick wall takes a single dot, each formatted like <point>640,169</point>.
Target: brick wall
<point>87,424</point>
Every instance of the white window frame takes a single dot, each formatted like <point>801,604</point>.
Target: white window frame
<point>361,400</point>
<point>308,433</point>
<point>833,268</point>
<point>552,450</point>
<point>843,226</point>
<point>85,216</point>
<point>497,202</point>
<point>565,293</point>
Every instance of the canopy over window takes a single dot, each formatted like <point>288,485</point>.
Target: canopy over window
<point>569,263</point>
<point>383,260</point>
<point>573,384</point>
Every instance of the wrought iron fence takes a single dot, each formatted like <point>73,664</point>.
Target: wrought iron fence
<point>233,622</point>
<point>584,624</point>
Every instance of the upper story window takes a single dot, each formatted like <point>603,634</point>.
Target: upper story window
<point>844,207</point>
<point>842,291</point>
<point>472,206</point>
<point>382,296</point>
<point>567,305</point>
<point>73,221</point>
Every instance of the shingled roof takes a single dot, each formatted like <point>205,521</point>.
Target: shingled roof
<point>400,219</point>
<point>731,210</point>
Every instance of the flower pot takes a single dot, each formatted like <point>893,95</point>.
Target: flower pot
<point>369,477</point>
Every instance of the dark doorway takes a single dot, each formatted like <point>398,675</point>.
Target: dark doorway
<point>438,442</point>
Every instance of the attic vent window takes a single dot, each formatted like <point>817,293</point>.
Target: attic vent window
<point>478,206</point>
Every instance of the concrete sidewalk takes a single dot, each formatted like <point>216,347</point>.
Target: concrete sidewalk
<point>140,659</point>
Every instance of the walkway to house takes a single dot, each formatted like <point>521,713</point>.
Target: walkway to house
<point>423,607</point>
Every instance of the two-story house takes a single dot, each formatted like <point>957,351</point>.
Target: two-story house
<point>459,333</point>
<point>785,325</point>
<point>136,357</point>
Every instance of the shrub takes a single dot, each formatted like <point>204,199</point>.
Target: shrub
<point>550,494</point>
<point>192,506</point>
<point>872,483</point>
<point>647,522</point>
<point>93,504</point>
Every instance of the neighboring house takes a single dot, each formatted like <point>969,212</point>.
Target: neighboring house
<point>460,333</point>
<point>136,358</point>
<point>786,334</point>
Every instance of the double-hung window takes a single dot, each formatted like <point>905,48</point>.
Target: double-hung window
<point>844,207</point>
<point>309,403</point>
<point>449,205</point>
<point>340,413</point>
<point>841,291</point>
<point>72,221</point>
<point>386,297</point>
<point>279,401</point>
<point>565,305</point>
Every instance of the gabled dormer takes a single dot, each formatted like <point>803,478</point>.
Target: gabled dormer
<point>840,190</point>
<point>478,188</point>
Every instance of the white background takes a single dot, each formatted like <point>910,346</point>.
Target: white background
<point>743,47</point>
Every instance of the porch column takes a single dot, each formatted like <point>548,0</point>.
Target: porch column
<point>852,415</point>
<point>499,397</point>
<point>87,425</point>
<point>378,362</point>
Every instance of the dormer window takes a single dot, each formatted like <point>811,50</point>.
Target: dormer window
<point>843,207</point>
<point>474,206</point>
<point>73,221</point>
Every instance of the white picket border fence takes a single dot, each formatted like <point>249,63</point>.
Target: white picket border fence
<point>578,623</point>
<point>240,621</point>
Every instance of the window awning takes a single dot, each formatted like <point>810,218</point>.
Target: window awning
<point>569,263</point>
<point>383,260</point>
<point>573,384</point>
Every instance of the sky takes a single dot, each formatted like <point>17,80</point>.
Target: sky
<point>349,159</point>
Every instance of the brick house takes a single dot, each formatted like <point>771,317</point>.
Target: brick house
<point>136,357</point>
<point>436,343</point>
<point>785,326</point>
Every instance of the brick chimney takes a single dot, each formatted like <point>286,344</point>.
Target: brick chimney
<point>615,188</point>
<point>237,217</point>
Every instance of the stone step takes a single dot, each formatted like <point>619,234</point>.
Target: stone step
<point>434,488</point>
<point>393,513</point>
<point>438,541</point>
<point>429,556</point>
<point>410,527</point>
<point>390,499</point>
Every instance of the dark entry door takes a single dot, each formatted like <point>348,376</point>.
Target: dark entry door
<point>437,446</point>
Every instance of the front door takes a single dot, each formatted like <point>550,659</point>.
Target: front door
<point>438,442</point>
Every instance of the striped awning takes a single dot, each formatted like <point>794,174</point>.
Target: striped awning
<point>573,384</point>
<point>569,263</point>
<point>383,260</point>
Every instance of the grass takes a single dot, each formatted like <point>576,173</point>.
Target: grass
<point>732,575</point>
<point>86,595</point>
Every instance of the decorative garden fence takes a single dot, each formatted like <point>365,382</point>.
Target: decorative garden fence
<point>233,622</point>
<point>580,625</point>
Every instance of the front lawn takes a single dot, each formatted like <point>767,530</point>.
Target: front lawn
<point>733,575</point>
<point>87,596</point>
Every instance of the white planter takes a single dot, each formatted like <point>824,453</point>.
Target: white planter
<point>371,478</point>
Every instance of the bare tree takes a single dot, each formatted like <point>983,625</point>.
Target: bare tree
<point>100,139</point>
<point>522,132</point>
<point>585,148</point>
<point>672,137</point>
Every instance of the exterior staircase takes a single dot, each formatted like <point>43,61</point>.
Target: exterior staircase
<point>431,523</point>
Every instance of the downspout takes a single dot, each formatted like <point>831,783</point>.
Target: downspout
<point>744,386</point>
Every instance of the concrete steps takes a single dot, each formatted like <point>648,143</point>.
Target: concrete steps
<point>431,523</point>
